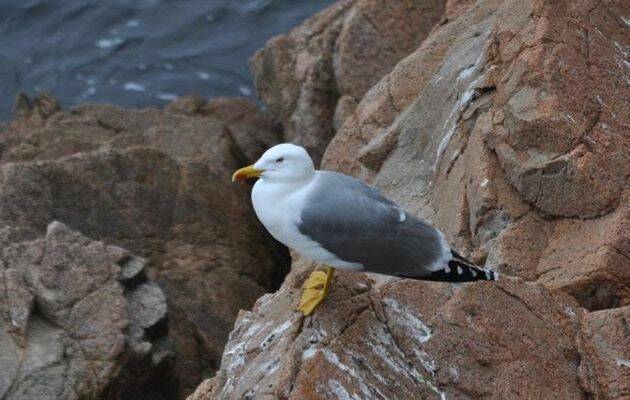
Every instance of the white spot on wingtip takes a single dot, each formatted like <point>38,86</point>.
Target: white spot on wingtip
<point>459,270</point>
<point>622,362</point>
<point>447,269</point>
<point>401,216</point>
<point>473,272</point>
<point>440,263</point>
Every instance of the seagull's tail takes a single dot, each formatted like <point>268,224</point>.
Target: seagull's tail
<point>458,269</point>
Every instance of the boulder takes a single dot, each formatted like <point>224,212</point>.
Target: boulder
<point>312,78</point>
<point>156,183</point>
<point>75,316</point>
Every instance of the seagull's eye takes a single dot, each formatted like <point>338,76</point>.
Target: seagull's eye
<point>279,160</point>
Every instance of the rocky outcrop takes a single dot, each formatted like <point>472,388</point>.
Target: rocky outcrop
<point>506,128</point>
<point>403,340</point>
<point>76,316</point>
<point>158,184</point>
<point>312,78</point>
<point>511,140</point>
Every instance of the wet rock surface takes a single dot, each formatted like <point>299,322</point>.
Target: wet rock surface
<point>505,127</point>
<point>156,183</point>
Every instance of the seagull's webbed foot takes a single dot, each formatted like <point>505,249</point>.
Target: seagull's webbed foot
<point>315,290</point>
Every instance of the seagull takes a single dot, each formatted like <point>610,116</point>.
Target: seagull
<point>343,223</point>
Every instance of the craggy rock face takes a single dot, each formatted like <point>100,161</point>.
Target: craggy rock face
<point>403,340</point>
<point>76,316</point>
<point>507,129</point>
<point>313,77</point>
<point>156,183</point>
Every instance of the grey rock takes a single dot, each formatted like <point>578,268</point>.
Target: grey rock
<point>66,322</point>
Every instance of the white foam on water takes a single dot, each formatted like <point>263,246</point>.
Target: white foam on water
<point>134,87</point>
<point>245,91</point>
<point>108,43</point>
<point>90,91</point>
<point>166,96</point>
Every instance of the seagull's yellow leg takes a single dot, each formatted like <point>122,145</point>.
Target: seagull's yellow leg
<point>315,290</point>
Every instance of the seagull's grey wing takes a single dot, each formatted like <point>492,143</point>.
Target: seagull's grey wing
<point>357,224</point>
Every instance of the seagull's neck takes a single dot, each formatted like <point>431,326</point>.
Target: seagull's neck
<point>274,191</point>
<point>284,186</point>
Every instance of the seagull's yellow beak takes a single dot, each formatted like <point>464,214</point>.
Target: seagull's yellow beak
<point>246,173</point>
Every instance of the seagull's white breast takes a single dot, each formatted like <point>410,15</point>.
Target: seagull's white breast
<point>279,206</point>
<point>278,209</point>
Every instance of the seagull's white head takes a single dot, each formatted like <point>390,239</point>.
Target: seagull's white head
<point>286,163</point>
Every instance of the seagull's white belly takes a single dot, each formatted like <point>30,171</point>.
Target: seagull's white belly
<point>280,214</point>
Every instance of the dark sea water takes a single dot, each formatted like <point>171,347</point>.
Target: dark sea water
<point>136,52</point>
